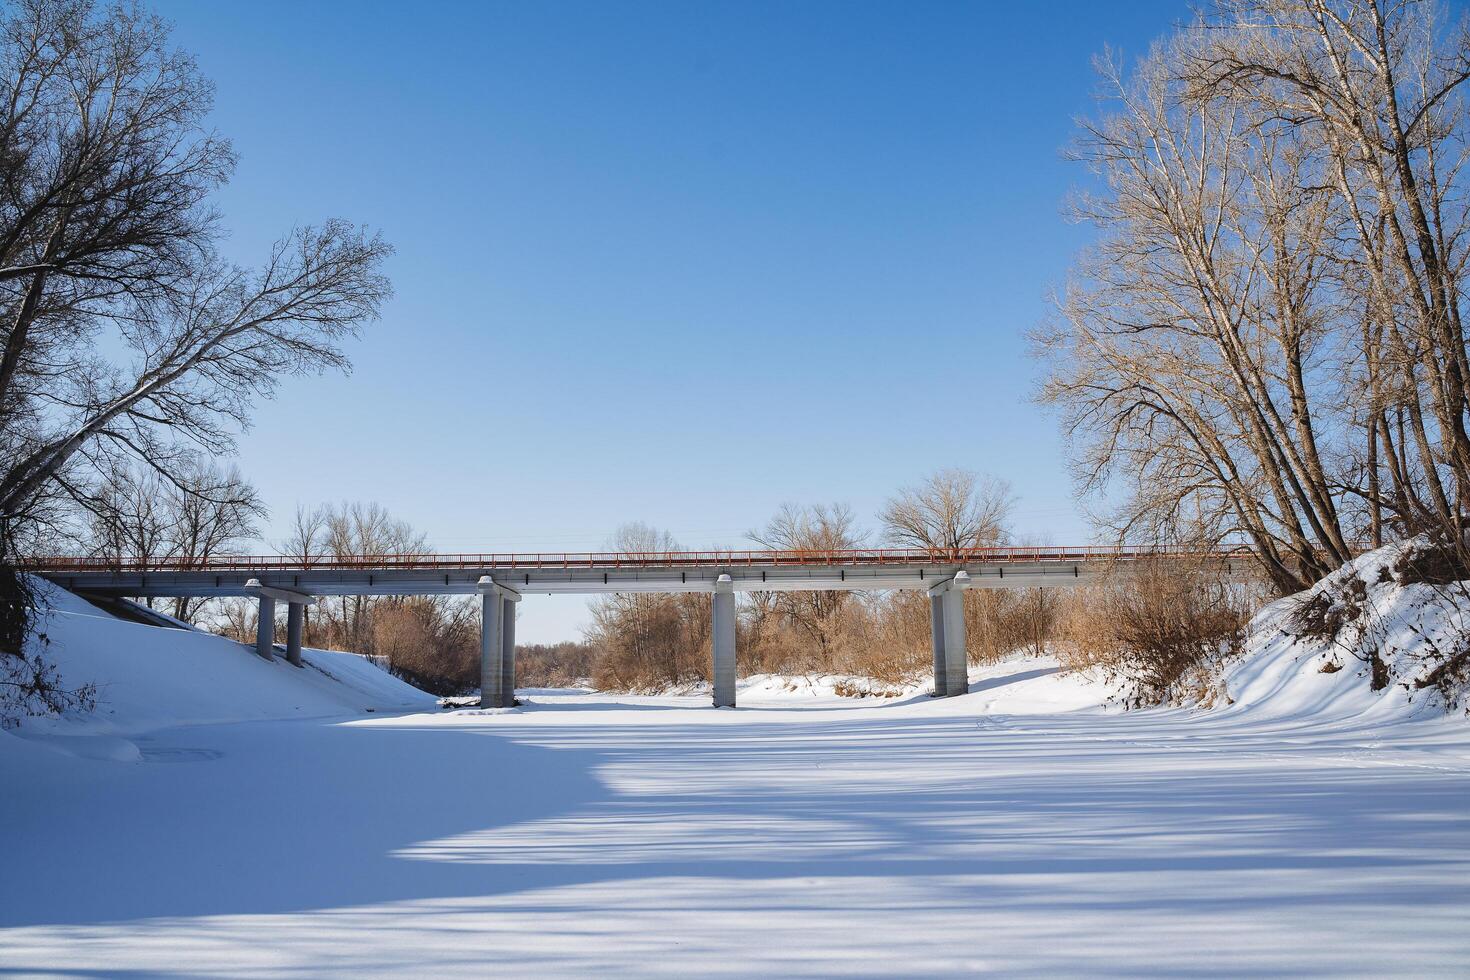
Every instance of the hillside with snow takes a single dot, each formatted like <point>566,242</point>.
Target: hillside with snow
<point>149,677</point>
<point>1374,639</point>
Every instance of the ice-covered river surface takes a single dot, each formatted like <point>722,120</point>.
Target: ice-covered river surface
<point>1015,830</point>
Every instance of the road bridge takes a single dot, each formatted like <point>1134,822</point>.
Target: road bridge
<point>501,580</point>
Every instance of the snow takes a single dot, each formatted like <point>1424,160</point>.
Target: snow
<point>269,827</point>
<point>1413,627</point>
<point>149,677</point>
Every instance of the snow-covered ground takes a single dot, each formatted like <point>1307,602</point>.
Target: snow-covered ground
<point>1023,829</point>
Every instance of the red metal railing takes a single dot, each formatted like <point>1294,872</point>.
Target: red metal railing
<point>593,559</point>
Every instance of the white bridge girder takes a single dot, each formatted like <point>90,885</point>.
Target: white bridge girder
<point>389,581</point>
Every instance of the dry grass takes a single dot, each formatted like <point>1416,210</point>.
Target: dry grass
<point>1165,631</point>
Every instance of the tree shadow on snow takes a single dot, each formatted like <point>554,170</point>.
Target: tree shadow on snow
<point>302,816</point>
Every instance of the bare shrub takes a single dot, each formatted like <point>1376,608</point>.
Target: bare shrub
<point>1164,629</point>
<point>566,664</point>
<point>815,616</point>
<point>433,642</point>
<point>1432,561</point>
<point>649,642</point>
<point>29,685</point>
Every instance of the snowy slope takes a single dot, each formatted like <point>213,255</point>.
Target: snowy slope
<point>1289,669</point>
<point>149,677</point>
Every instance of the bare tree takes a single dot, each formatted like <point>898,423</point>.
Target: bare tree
<point>141,519</point>
<point>305,541</point>
<point>648,640</point>
<point>361,531</point>
<point>131,519</point>
<point>125,335</point>
<point>1250,350</point>
<point>950,510</point>
<point>818,527</point>
<point>213,512</point>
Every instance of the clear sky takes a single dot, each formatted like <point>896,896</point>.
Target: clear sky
<point>672,262</point>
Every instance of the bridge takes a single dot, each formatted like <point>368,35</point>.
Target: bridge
<point>501,580</point>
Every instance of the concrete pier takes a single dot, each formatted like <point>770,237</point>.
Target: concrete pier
<point>956,658</point>
<point>491,609</point>
<point>294,617</point>
<point>722,642</point>
<point>507,652</point>
<point>936,633</point>
<point>265,628</point>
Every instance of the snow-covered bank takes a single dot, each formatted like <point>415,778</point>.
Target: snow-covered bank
<point>1024,828</point>
<point>1313,656</point>
<point>149,677</point>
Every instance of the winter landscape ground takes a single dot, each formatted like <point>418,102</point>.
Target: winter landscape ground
<point>248,819</point>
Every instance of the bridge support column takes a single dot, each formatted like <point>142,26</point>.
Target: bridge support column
<point>265,628</point>
<point>490,645</point>
<point>722,642</point>
<point>294,617</point>
<point>507,652</point>
<point>497,643</point>
<point>936,633</point>
<point>956,657</point>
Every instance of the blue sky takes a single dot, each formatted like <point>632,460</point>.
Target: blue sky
<point>669,262</point>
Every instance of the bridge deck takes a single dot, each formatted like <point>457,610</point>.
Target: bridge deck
<point>594,572</point>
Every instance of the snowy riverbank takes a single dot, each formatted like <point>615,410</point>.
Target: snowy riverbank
<point>1028,827</point>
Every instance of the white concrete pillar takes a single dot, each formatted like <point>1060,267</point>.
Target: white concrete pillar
<point>265,628</point>
<point>294,611</point>
<point>490,647</point>
<point>956,660</point>
<point>507,652</point>
<point>722,642</point>
<point>936,636</point>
